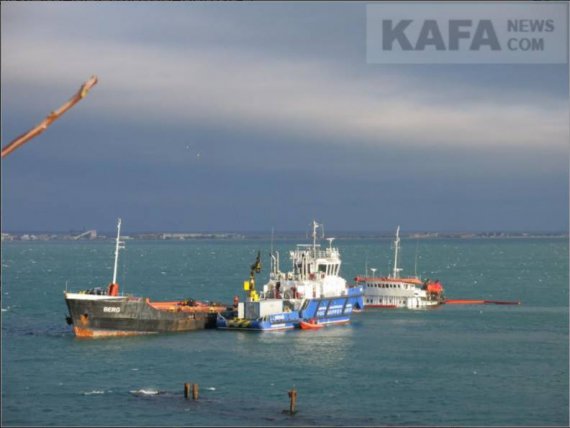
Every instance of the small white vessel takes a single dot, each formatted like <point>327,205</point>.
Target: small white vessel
<point>394,291</point>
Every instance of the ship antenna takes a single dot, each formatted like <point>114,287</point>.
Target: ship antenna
<point>315,226</point>
<point>416,262</point>
<point>271,256</point>
<point>118,247</point>
<point>395,273</point>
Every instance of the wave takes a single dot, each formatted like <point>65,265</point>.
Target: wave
<point>145,392</point>
<point>94,392</point>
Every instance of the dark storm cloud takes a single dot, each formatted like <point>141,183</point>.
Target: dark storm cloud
<point>231,116</point>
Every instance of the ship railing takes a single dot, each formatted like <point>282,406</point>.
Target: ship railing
<point>318,254</point>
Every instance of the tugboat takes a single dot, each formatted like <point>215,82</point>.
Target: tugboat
<point>103,312</point>
<point>394,291</point>
<point>311,293</point>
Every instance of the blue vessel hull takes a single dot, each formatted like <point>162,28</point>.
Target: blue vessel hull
<point>331,310</point>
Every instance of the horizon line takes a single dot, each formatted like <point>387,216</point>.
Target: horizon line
<point>285,232</point>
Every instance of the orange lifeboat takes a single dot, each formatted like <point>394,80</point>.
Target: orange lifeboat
<point>310,325</point>
<point>435,288</point>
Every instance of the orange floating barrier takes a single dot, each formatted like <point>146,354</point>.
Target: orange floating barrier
<point>464,302</point>
<point>480,302</point>
<point>500,302</point>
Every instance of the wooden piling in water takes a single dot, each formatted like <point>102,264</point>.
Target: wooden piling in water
<point>293,401</point>
<point>191,387</point>
<point>186,390</point>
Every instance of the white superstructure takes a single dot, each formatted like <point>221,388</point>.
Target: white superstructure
<point>396,292</point>
<point>315,273</point>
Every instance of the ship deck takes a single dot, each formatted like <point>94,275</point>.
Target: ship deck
<point>181,306</point>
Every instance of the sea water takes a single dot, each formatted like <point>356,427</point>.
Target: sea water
<point>454,365</point>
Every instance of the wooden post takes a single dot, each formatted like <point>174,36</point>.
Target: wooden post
<point>293,401</point>
<point>195,389</point>
<point>186,390</point>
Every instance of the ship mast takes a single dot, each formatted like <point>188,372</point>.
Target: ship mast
<point>117,248</point>
<point>315,226</point>
<point>396,272</point>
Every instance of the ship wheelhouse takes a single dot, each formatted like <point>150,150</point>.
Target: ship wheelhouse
<point>315,273</point>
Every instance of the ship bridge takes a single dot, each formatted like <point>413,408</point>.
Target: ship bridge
<point>315,272</point>
<point>312,262</point>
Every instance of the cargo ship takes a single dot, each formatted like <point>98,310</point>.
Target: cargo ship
<point>394,291</point>
<point>312,294</point>
<point>105,312</point>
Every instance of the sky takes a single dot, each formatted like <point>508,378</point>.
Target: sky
<point>252,116</point>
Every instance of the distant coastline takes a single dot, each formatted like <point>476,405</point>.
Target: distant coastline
<point>92,235</point>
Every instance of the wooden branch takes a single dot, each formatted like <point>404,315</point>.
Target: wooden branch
<point>37,130</point>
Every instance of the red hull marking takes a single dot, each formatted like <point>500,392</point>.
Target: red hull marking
<point>93,334</point>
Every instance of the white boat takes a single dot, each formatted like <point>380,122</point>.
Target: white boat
<point>394,291</point>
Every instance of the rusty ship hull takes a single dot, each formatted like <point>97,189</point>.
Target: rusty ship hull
<point>107,316</point>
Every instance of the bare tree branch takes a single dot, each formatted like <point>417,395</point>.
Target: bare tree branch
<point>37,130</point>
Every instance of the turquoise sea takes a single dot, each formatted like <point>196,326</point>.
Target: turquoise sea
<point>454,365</point>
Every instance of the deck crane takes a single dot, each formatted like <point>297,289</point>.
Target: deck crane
<point>249,286</point>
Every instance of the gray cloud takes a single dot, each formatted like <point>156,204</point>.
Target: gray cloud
<point>168,81</point>
<point>274,97</point>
